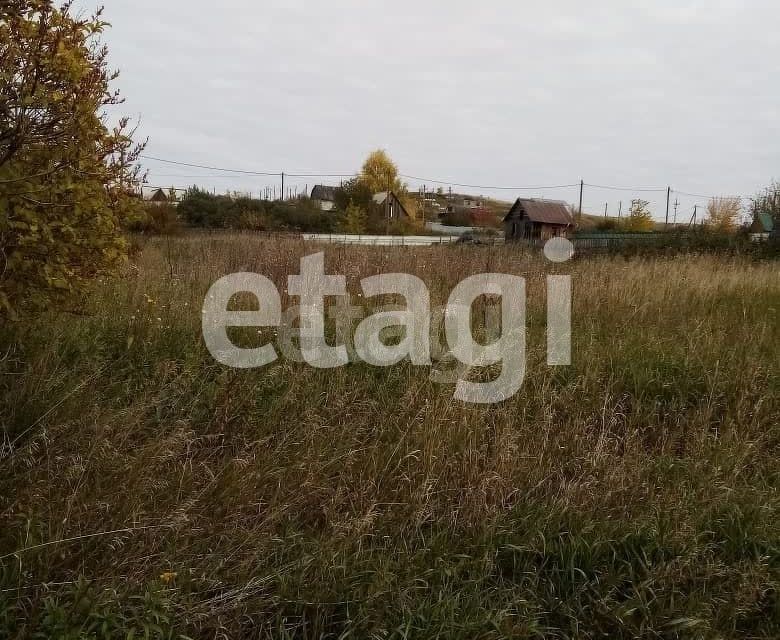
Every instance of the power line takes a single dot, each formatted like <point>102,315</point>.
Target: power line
<point>201,166</point>
<point>636,189</point>
<point>321,175</point>
<point>490,187</point>
<point>342,175</point>
<point>420,179</point>
<point>196,175</point>
<point>244,171</point>
<point>701,195</point>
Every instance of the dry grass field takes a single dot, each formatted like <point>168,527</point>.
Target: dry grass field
<point>146,489</point>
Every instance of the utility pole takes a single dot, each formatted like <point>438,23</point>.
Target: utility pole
<point>582,188</point>
<point>606,208</point>
<point>676,204</point>
<point>620,210</point>
<point>668,197</point>
<point>281,193</point>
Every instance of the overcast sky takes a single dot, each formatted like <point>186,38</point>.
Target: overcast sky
<point>623,93</point>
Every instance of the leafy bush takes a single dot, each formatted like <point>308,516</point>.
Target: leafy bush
<point>156,219</point>
<point>63,172</point>
<point>202,209</point>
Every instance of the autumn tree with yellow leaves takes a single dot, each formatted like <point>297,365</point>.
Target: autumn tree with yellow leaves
<point>66,174</point>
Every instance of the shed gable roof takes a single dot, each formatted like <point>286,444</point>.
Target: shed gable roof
<point>323,192</point>
<point>544,211</point>
<point>158,196</point>
<point>767,222</point>
<point>381,197</point>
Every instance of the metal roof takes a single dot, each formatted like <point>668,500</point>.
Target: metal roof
<point>323,192</point>
<point>544,211</point>
<point>767,221</point>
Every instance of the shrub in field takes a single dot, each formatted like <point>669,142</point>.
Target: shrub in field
<point>723,214</point>
<point>639,217</point>
<point>202,209</point>
<point>156,219</point>
<point>63,172</point>
<point>355,220</point>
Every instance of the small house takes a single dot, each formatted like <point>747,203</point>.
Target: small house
<point>537,220</point>
<point>158,197</point>
<point>324,196</point>
<point>763,227</point>
<point>392,207</point>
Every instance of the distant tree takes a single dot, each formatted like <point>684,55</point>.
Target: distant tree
<point>639,217</point>
<point>723,214</point>
<point>355,220</point>
<point>354,191</point>
<point>199,208</point>
<point>767,201</point>
<point>440,191</point>
<point>66,177</point>
<point>379,173</point>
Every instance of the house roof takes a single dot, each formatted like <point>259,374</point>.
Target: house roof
<point>323,192</point>
<point>381,197</point>
<point>544,211</point>
<point>765,222</point>
<point>158,196</point>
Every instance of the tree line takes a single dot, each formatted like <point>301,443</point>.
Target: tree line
<point>355,210</point>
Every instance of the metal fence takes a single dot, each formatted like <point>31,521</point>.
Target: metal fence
<point>384,241</point>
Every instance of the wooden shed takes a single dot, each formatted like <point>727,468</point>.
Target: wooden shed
<point>391,205</point>
<point>324,196</point>
<point>537,220</point>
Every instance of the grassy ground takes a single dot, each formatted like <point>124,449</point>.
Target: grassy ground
<point>146,489</point>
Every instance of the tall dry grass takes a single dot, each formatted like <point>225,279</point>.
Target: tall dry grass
<point>631,495</point>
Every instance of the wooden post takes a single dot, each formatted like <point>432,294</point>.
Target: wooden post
<point>668,197</point>
<point>582,188</point>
